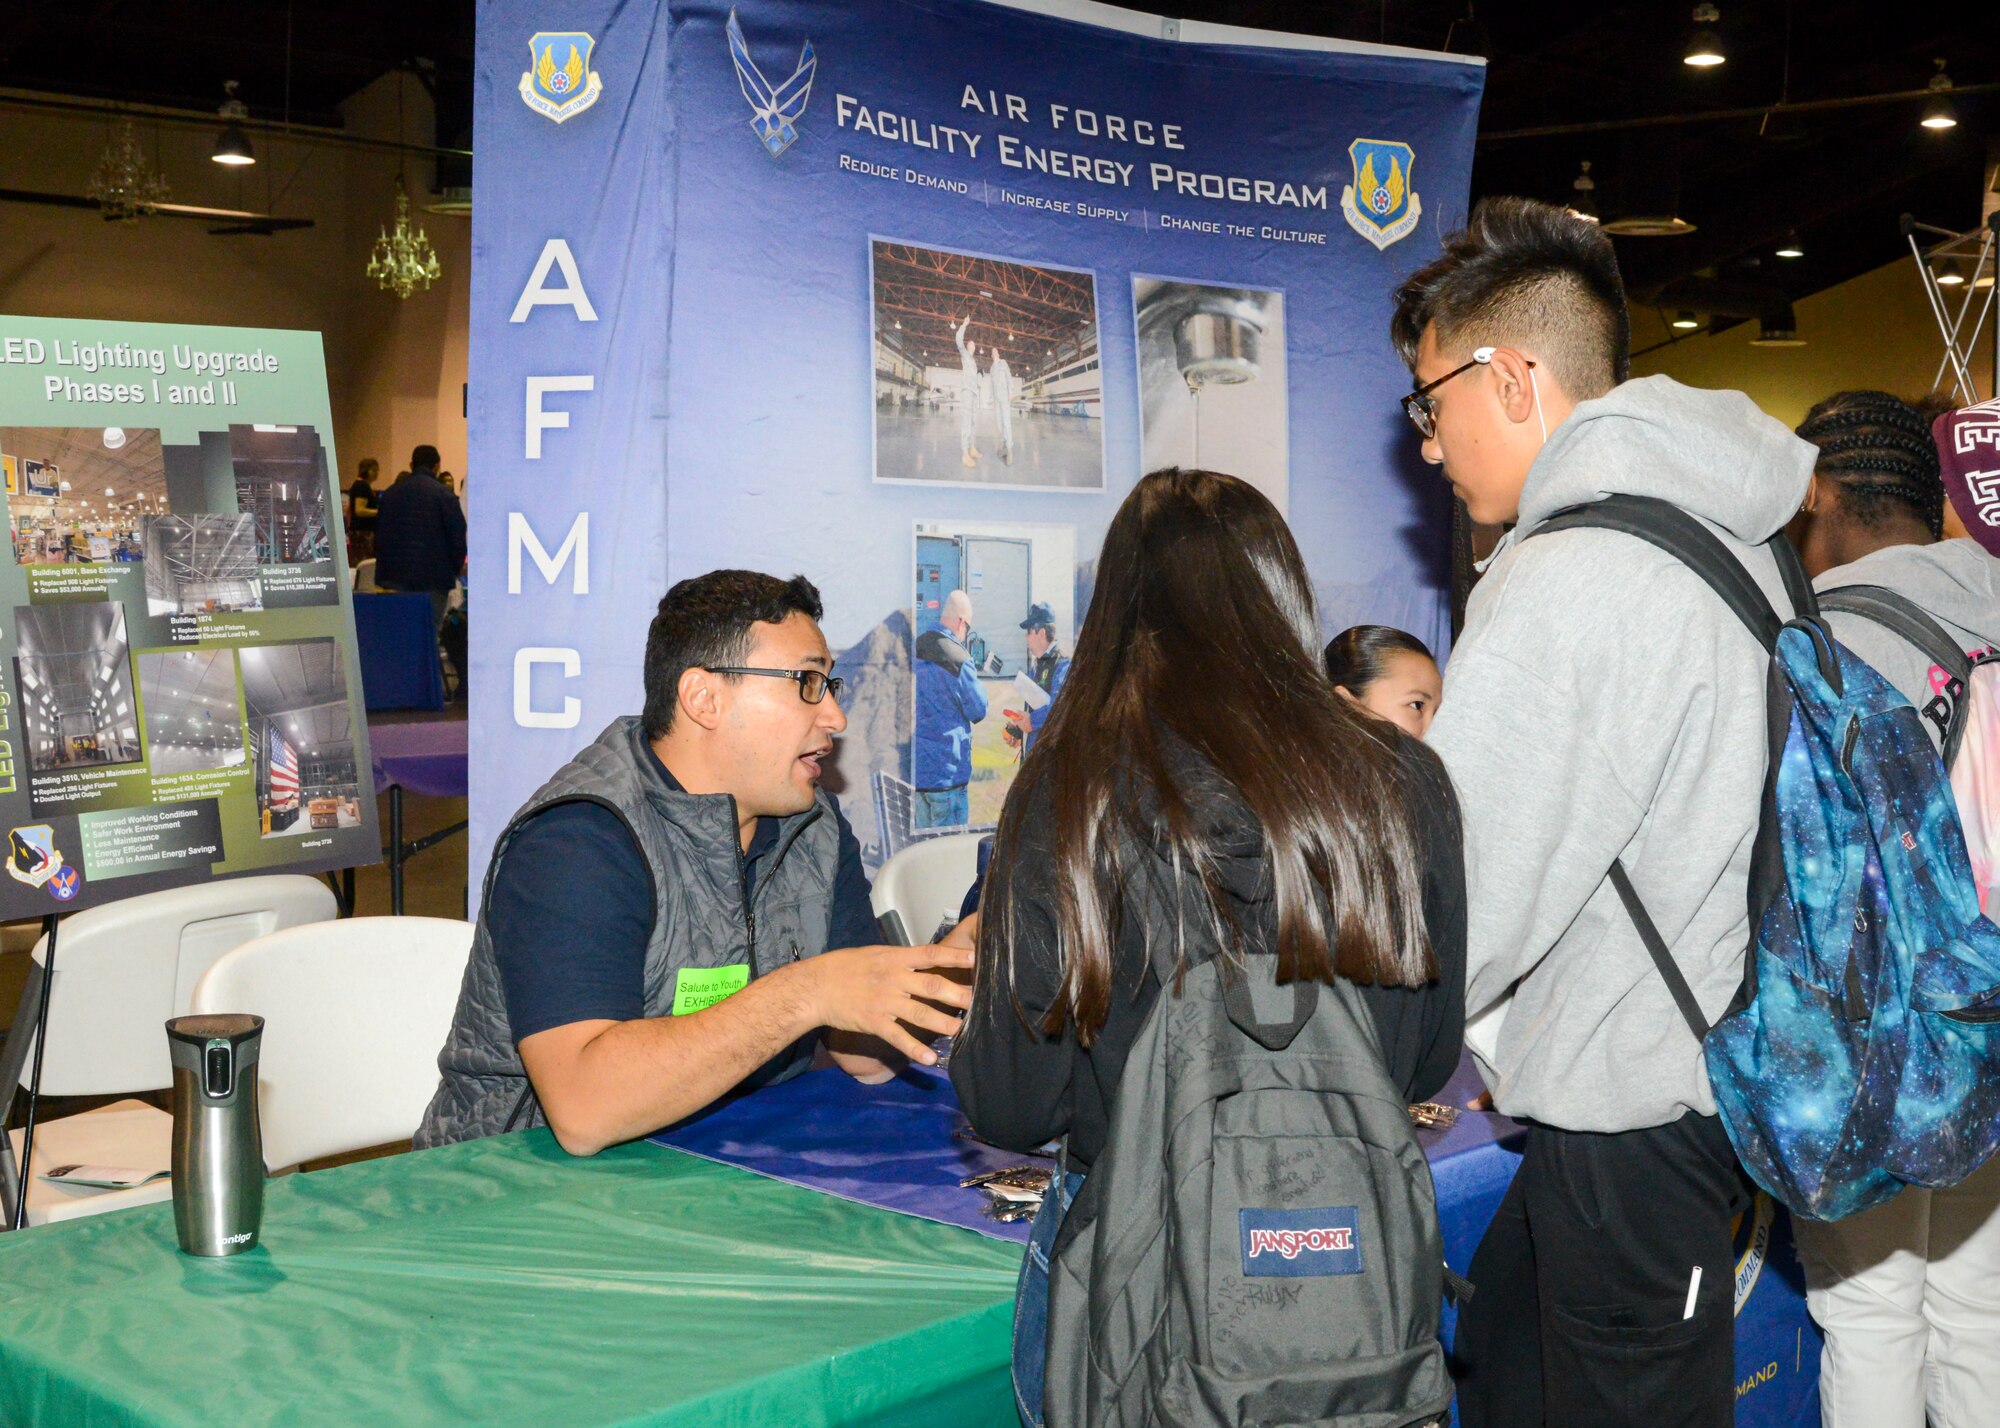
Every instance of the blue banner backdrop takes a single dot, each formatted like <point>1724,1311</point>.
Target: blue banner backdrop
<point>904,295</point>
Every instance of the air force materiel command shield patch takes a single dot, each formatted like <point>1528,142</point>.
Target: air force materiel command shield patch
<point>1381,204</point>
<point>775,109</point>
<point>1297,1244</point>
<point>560,84</point>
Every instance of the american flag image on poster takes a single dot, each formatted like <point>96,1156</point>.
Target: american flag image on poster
<point>284,774</point>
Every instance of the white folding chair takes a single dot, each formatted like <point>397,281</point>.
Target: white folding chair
<point>354,1015</point>
<point>364,576</point>
<point>926,882</point>
<point>122,970</point>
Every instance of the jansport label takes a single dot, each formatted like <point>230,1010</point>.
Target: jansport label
<point>1297,1243</point>
<point>699,987</point>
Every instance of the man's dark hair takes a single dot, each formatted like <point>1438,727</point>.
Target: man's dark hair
<point>426,456</point>
<point>1529,275</point>
<point>706,621</point>
<point>1877,451</point>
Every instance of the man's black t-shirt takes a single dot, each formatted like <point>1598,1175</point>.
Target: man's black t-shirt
<point>571,906</point>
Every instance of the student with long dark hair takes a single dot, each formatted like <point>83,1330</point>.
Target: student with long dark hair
<point>1200,752</point>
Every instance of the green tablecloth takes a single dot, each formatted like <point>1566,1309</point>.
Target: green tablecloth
<point>502,1282</point>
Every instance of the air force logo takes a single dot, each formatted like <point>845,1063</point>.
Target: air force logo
<point>1381,204</point>
<point>560,84</point>
<point>32,857</point>
<point>775,109</point>
<point>1298,1244</point>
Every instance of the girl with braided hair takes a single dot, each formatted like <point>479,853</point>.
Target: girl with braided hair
<point>1907,1293</point>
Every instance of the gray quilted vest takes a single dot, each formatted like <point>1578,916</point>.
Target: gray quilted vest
<point>692,847</point>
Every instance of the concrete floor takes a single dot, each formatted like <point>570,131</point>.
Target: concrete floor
<point>1063,451</point>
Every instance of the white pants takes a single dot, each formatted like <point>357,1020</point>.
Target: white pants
<point>1908,1295</point>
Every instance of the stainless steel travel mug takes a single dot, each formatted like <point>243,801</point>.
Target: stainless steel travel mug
<point>218,1159</point>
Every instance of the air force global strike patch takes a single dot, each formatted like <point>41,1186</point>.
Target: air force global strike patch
<point>775,109</point>
<point>560,84</point>
<point>1381,204</point>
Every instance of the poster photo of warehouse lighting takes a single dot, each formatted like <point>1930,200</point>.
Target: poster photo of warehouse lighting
<point>80,495</point>
<point>986,371</point>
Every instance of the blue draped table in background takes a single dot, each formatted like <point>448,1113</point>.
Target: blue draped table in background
<point>896,1146</point>
<point>398,645</point>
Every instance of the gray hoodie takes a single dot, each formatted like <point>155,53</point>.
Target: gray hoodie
<point>1603,703</point>
<point>1955,582</point>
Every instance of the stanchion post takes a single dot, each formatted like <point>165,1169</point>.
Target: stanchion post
<point>396,849</point>
<point>25,1177</point>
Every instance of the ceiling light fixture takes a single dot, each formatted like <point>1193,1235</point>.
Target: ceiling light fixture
<point>1705,49</point>
<point>1790,247</point>
<point>232,145</point>
<point>1686,321</point>
<point>1583,205</point>
<point>1940,113</point>
<point>403,260</point>
<point>125,186</point>
<point>1778,329</point>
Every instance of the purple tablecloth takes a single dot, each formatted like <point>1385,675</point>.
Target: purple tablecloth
<point>427,758</point>
<point>895,1146</point>
<point>892,1145</point>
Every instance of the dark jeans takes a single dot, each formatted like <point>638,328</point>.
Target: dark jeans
<point>1580,1315</point>
<point>1031,1298</point>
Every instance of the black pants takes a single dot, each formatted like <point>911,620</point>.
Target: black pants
<point>1580,1319</point>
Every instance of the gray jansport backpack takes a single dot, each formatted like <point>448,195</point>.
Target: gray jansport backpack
<point>1258,1243</point>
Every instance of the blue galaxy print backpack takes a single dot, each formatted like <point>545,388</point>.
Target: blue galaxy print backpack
<point>1863,1052</point>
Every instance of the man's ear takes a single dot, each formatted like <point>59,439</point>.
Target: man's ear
<point>700,697</point>
<point>1512,385</point>
<point>1812,493</point>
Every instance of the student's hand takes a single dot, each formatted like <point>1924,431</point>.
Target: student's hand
<point>875,990</point>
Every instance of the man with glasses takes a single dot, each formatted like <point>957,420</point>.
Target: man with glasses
<point>1602,706</point>
<point>681,910</point>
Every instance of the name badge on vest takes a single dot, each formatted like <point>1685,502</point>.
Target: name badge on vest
<point>697,988</point>
<point>1294,1244</point>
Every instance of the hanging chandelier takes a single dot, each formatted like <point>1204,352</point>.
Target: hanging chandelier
<point>403,260</point>
<point>124,186</point>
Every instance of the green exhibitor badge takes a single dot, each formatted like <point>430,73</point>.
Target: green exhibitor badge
<point>699,987</point>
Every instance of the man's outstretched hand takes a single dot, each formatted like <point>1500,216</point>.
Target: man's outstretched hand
<point>873,991</point>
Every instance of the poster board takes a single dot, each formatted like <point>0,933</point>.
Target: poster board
<point>180,692</point>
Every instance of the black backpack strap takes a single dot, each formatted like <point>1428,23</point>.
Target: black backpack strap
<point>1656,947</point>
<point>1663,524</point>
<point>1904,618</point>
<point>1273,1035</point>
<point>1666,526</point>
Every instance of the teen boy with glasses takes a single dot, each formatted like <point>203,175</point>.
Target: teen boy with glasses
<point>681,909</point>
<point>1602,705</point>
